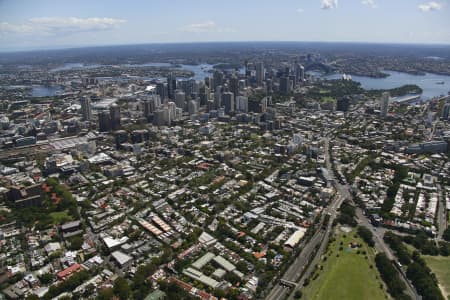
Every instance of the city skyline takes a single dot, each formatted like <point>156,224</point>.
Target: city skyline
<point>28,25</point>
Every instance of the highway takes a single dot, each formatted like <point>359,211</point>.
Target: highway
<point>318,241</point>
<point>305,262</point>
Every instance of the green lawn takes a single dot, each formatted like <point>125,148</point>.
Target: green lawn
<point>440,265</point>
<point>347,277</point>
<point>60,217</point>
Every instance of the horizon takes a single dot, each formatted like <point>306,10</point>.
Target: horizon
<point>49,24</point>
<point>74,47</point>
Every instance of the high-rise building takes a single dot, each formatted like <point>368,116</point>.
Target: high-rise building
<point>234,85</point>
<point>171,86</point>
<point>218,97</point>
<point>259,73</point>
<point>242,104</point>
<point>445,111</point>
<point>384,104</point>
<point>284,85</point>
<point>104,121</point>
<point>86,108</point>
<point>192,107</point>
<point>114,111</point>
<point>300,72</point>
<point>161,90</point>
<point>180,99</point>
<point>218,79</point>
<point>228,102</point>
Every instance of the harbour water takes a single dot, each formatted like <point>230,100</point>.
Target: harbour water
<point>433,85</point>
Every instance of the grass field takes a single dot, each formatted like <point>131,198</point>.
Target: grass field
<point>440,265</point>
<point>347,277</point>
<point>60,217</point>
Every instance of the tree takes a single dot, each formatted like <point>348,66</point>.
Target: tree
<point>121,288</point>
<point>46,278</point>
<point>298,294</point>
<point>76,242</point>
<point>105,294</point>
<point>366,235</point>
<point>446,235</point>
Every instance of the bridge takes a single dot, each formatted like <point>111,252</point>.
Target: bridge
<point>288,283</point>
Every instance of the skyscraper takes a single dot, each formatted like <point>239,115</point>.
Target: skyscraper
<point>259,73</point>
<point>104,121</point>
<point>86,108</point>
<point>114,111</point>
<point>445,111</point>
<point>171,86</point>
<point>180,99</point>
<point>284,85</point>
<point>218,97</point>
<point>161,90</point>
<point>384,104</point>
<point>218,79</point>
<point>242,104</point>
<point>300,72</point>
<point>228,102</point>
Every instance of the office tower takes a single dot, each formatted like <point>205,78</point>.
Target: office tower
<point>242,104</point>
<point>180,99</point>
<point>284,85</point>
<point>242,84</point>
<point>210,105</point>
<point>104,121</point>
<point>384,104</point>
<point>293,80</point>
<point>204,95</point>
<point>269,85</point>
<point>259,73</point>
<point>343,104</point>
<point>171,86</point>
<point>114,111</point>
<point>234,85</point>
<point>218,97</point>
<point>192,107</point>
<point>86,108</point>
<point>148,109</point>
<point>300,72</point>
<point>445,111</point>
<point>218,79</point>
<point>161,90</point>
<point>228,102</point>
<point>172,107</point>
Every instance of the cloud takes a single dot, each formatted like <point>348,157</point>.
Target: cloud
<point>207,26</point>
<point>370,3</point>
<point>60,25</point>
<point>329,4</point>
<point>430,6</point>
<point>300,10</point>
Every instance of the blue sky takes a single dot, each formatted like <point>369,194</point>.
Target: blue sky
<point>34,24</point>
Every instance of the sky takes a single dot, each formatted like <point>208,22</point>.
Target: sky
<point>46,24</point>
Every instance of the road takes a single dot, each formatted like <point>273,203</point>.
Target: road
<point>308,257</point>
<point>441,213</point>
<point>318,241</point>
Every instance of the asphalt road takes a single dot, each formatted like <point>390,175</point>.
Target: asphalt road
<point>314,249</point>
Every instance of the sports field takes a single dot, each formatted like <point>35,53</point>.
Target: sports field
<point>346,274</point>
<point>440,265</point>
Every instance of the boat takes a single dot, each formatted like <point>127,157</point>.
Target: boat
<point>440,82</point>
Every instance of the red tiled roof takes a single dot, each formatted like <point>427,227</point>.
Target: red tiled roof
<point>68,271</point>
